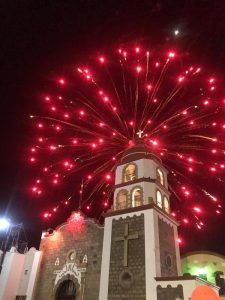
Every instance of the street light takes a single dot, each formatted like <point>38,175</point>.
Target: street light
<point>4,224</point>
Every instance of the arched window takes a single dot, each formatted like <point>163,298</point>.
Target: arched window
<point>122,199</point>
<point>130,173</point>
<point>67,290</point>
<point>159,199</point>
<point>166,204</point>
<point>137,197</point>
<point>160,176</point>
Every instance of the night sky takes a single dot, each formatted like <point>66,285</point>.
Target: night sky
<point>40,39</point>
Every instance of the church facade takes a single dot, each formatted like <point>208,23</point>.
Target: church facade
<point>71,261</point>
<point>134,256</point>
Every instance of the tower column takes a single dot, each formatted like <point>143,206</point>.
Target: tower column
<point>150,260</point>
<point>106,251</point>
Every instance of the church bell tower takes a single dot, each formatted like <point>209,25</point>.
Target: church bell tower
<point>140,236</point>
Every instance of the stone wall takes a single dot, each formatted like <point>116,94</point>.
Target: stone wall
<point>170,293</point>
<point>71,248</point>
<point>167,249</point>
<point>127,282</point>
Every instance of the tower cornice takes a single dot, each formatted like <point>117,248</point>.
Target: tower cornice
<point>141,208</point>
<point>143,179</point>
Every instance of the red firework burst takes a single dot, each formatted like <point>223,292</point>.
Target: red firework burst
<point>93,115</point>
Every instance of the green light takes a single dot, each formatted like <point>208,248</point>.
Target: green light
<point>201,271</point>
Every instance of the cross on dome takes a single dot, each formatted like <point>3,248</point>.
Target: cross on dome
<point>139,133</point>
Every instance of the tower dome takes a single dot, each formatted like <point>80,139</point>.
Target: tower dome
<point>138,150</point>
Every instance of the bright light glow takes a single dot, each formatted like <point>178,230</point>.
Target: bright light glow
<point>102,59</point>
<point>138,68</point>
<point>201,271</point>
<point>181,78</point>
<point>4,224</point>
<point>171,54</point>
<point>108,176</point>
<point>61,81</point>
<point>137,49</point>
<point>197,209</point>
<point>176,32</point>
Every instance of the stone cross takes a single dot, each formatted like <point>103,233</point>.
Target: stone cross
<point>126,239</point>
<point>139,133</point>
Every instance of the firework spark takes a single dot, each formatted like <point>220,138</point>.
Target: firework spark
<point>93,115</point>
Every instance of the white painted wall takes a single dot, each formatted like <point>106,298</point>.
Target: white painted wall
<point>28,276</point>
<point>11,274</point>
<point>149,190</point>
<point>146,168</point>
<point>106,251</point>
<point>13,278</point>
<point>151,254</point>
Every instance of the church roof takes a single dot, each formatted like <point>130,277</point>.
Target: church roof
<point>200,253</point>
<point>138,150</point>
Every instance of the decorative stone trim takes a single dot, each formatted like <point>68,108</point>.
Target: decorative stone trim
<point>60,283</point>
<point>126,279</point>
<point>68,256</point>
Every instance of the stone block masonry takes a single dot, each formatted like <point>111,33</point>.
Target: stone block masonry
<point>68,252</point>
<point>127,265</point>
